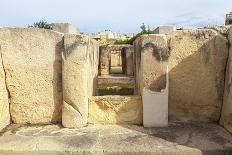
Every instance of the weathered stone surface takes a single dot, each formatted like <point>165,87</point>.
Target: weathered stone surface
<point>32,62</point>
<point>177,139</point>
<point>226,116</point>
<point>197,65</point>
<point>129,61</point>
<point>152,51</point>
<point>151,55</point>
<point>4,102</point>
<point>115,110</point>
<point>80,63</point>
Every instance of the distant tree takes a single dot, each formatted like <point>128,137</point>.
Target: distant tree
<point>41,24</point>
<point>144,30</point>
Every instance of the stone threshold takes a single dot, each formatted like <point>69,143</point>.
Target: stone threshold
<point>177,139</point>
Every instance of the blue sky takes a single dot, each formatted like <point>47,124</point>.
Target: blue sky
<point>124,16</point>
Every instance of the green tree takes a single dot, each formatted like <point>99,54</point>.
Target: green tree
<point>41,24</point>
<point>143,28</point>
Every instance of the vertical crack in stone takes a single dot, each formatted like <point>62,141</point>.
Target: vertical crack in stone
<point>9,96</point>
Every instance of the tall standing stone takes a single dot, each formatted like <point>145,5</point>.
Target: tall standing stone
<point>152,55</point>
<point>80,61</point>
<point>226,116</point>
<point>32,63</point>
<point>4,102</point>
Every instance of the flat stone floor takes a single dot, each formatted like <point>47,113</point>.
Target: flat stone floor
<point>177,139</point>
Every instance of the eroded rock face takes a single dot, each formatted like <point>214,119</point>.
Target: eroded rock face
<point>151,54</point>
<point>80,66</point>
<point>4,102</point>
<point>32,62</point>
<point>197,64</point>
<point>115,110</point>
<point>226,117</point>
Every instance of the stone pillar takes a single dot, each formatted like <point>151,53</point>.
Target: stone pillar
<point>75,71</point>
<point>104,68</point>
<point>152,82</point>
<point>129,54</point>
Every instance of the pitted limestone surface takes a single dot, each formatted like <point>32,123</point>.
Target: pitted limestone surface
<point>177,139</point>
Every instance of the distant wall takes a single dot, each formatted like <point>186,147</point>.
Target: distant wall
<point>65,28</point>
<point>80,70</point>
<point>196,70</point>
<point>164,30</point>
<point>226,116</point>
<point>32,63</point>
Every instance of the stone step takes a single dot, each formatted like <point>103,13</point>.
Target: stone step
<point>177,139</point>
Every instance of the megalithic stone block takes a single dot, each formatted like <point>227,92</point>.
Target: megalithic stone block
<point>75,71</point>
<point>104,66</point>
<point>155,106</point>
<point>151,78</point>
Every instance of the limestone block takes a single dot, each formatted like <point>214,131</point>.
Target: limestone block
<point>151,54</point>
<point>226,116</point>
<point>65,28</point>
<point>164,30</point>
<point>32,62</point>
<point>104,68</point>
<point>80,61</point>
<point>196,71</point>
<point>115,110</point>
<point>129,55</point>
<point>155,108</point>
<point>4,102</point>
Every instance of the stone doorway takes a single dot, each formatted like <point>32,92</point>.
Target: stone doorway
<point>116,70</point>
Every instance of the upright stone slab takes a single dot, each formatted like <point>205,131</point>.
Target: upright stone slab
<point>196,71</point>
<point>104,68</point>
<point>32,62</point>
<point>151,80</point>
<point>4,102</point>
<point>80,62</point>
<point>129,60</point>
<point>226,115</point>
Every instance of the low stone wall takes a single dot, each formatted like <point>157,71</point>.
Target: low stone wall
<point>115,110</point>
<point>226,116</point>
<point>80,68</point>
<point>32,63</point>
